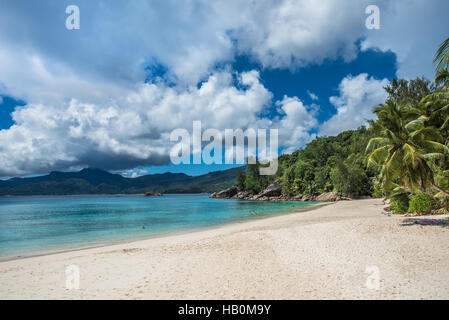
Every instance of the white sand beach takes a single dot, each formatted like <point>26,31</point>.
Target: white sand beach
<point>320,254</point>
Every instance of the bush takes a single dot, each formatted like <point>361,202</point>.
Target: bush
<point>400,204</point>
<point>420,203</point>
<point>377,191</point>
<point>444,203</point>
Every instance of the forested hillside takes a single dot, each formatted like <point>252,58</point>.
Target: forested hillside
<point>403,155</point>
<point>325,164</point>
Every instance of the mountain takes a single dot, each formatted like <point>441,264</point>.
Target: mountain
<point>97,181</point>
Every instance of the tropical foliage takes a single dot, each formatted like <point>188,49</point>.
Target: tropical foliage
<point>411,143</point>
<point>403,155</point>
<point>325,164</point>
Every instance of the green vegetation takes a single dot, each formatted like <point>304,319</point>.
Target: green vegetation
<point>402,156</point>
<point>411,144</point>
<point>420,202</point>
<point>400,204</point>
<point>325,164</point>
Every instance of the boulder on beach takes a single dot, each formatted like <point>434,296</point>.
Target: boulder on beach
<point>307,197</point>
<point>297,197</point>
<point>328,197</point>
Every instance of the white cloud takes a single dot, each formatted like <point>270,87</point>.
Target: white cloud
<point>358,96</point>
<point>312,95</point>
<point>291,34</point>
<point>128,131</point>
<point>296,123</point>
<point>134,173</point>
<point>118,39</point>
<point>87,103</point>
<point>133,130</point>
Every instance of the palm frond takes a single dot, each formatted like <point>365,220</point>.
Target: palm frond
<point>442,56</point>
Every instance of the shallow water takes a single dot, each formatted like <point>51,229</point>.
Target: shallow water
<point>51,223</point>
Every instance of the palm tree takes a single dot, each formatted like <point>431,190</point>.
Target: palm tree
<point>442,57</point>
<point>404,148</point>
<point>432,110</point>
<point>442,77</point>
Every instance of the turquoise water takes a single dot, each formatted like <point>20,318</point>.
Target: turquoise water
<point>51,223</point>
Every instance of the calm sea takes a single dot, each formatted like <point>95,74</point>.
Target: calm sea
<point>51,223</point>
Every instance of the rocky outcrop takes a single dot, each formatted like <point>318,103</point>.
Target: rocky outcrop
<point>273,190</point>
<point>242,195</point>
<point>227,193</point>
<point>328,197</point>
<point>152,194</point>
<point>308,197</point>
<point>274,193</point>
<point>298,197</point>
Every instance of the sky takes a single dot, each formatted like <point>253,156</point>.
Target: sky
<point>109,94</point>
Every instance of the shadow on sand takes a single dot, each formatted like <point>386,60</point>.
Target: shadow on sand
<point>416,222</point>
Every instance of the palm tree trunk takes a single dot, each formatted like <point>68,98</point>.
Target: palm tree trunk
<point>439,189</point>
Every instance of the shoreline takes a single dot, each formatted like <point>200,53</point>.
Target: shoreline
<point>33,254</point>
<point>318,254</point>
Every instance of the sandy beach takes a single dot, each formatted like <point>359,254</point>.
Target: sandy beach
<point>327,253</point>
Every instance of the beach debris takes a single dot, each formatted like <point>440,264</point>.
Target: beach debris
<point>392,214</point>
<point>414,214</point>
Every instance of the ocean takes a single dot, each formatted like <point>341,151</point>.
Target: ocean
<point>40,224</point>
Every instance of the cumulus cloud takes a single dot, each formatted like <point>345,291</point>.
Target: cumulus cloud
<point>134,130</point>
<point>298,119</point>
<point>292,34</point>
<point>88,103</point>
<point>189,38</point>
<point>128,131</point>
<point>358,96</point>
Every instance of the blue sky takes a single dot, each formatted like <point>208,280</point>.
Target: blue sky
<point>109,94</point>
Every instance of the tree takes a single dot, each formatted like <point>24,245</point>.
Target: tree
<point>409,91</point>
<point>442,57</point>
<point>442,77</point>
<point>403,148</point>
<point>240,179</point>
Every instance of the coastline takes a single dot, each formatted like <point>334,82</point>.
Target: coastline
<point>321,253</point>
<point>168,233</point>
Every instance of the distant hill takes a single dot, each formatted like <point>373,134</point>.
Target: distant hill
<point>97,181</point>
